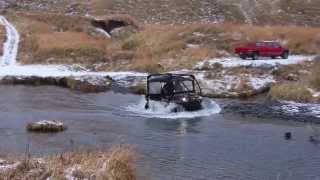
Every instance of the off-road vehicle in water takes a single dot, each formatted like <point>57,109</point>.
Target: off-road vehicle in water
<point>181,89</point>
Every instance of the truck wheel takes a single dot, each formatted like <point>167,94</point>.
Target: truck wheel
<point>243,56</point>
<point>255,56</point>
<point>285,55</point>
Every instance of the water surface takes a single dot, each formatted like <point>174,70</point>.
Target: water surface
<point>207,145</point>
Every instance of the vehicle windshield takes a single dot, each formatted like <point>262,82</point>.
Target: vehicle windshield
<point>171,87</point>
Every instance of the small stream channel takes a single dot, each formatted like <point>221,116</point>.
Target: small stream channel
<point>205,145</point>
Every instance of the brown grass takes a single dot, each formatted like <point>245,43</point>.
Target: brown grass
<point>2,38</point>
<point>116,164</point>
<point>49,38</point>
<point>291,92</point>
<point>314,78</point>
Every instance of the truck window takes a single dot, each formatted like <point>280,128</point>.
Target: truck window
<point>259,44</point>
<point>276,45</point>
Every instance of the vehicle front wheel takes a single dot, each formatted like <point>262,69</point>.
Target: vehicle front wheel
<point>285,55</point>
<point>254,56</point>
<point>243,56</point>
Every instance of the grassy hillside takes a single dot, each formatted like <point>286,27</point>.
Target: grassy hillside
<point>52,38</point>
<point>298,12</point>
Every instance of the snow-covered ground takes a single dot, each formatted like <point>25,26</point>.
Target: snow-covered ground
<point>230,84</point>
<point>301,108</point>
<point>5,166</point>
<point>11,68</point>
<point>10,48</point>
<point>229,62</point>
<point>59,71</point>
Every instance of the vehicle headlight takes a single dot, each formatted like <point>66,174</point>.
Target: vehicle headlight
<point>184,99</point>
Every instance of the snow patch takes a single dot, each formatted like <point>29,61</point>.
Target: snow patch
<point>46,123</point>
<point>61,71</point>
<point>306,108</point>
<point>260,82</point>
<point>231,62</point>
<point>10,48</point>
<point>103,32</point>
<point>5,166</point>
<point>228,84</point>
<point>71,173</point>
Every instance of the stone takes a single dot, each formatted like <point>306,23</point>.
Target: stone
<point>46,126</point>
<point>292,77</point>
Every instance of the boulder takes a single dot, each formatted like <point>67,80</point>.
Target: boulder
<point>291,77</point>
<point>46,126</point>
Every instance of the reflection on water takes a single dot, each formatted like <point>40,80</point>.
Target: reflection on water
<point>211,146</point>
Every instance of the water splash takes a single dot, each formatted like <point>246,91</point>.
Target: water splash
<point>165,111</point>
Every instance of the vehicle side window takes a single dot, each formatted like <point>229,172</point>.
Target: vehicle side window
<point>273,45</point>
<point>270,44</point>
<point>259,44</point>
<point>155,87</point>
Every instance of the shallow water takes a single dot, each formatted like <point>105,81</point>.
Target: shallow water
<point>203,145</point>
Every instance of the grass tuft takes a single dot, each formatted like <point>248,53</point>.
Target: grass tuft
<point>291,92</point>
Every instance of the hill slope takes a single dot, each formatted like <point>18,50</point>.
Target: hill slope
<point>298,12</point>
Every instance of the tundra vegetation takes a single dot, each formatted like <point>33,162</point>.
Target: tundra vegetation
<point>304,88</point>
<point>118,163</point>
<point>57,39</point>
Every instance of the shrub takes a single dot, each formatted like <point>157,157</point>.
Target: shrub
<point>120,164</point>
<point>116,164</point>
<point>133,43</point>
<point>314,77</point>
<point>291,92</point>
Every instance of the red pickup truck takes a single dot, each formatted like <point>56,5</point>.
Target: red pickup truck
<point>265,48</point>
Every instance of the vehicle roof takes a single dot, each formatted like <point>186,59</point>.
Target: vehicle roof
<point>170,77</point>
<point>267,42</point>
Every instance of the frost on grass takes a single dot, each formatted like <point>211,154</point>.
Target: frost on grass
<point>234,85</point>
<point>116,164</point>
<point>301,108</point>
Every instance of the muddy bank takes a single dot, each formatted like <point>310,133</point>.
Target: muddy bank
<point>89,84</point>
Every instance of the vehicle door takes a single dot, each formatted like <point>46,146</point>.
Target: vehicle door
<point>270,49</point>
<point>277,49</point>
<point>262,48</point>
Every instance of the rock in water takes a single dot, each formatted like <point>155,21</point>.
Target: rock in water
<point>46,126</point>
